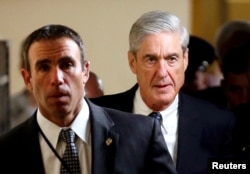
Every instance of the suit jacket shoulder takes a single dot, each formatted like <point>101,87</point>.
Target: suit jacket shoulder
<point>20,149</point>
<point>121,101</point>
<point>205,131</point>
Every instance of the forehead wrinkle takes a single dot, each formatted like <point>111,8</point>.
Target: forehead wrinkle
<point>52,52</point>
<point>161,46</point>
<point>51,47</point>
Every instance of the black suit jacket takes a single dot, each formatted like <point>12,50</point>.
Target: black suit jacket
<point>138,146</point>
<point>204,129</point>
<point>242,131</point>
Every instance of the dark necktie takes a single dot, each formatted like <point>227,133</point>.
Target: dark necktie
<point>70,156</point>
<point>156,115</point>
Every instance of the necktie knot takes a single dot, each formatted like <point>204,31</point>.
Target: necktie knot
<point>156,115</point>
<point>67,135</point>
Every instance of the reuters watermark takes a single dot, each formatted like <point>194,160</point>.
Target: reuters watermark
<point>233,166</point>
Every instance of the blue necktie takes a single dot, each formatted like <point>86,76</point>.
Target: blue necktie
<point>156,115</point>
<point>70,156</point>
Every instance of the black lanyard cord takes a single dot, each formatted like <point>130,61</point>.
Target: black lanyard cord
<point>54,151</point>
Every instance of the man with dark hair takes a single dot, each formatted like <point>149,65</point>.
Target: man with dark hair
<point>201,57</point>
<point>231,42</point>
<point>68,133</point>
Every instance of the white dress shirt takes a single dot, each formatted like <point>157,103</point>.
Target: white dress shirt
<point>169,124</point>
<point>81,126</point>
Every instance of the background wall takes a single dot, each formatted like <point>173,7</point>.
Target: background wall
<point>103,25</point>
<point>208,16</point>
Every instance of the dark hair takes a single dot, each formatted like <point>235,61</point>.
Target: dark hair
<point>236,60</point>
<point>201,54</point>
<point>48,32</point>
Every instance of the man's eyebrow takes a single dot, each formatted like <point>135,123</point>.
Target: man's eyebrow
<point>66,58</point>
<point>149,55</point>
<point>168,55</point>
<point>173,54</point>
<point>43,61</point>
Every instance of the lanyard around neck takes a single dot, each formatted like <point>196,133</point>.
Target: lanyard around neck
<point>54,150</point>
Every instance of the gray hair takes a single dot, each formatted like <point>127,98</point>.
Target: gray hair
<point>154,22</point>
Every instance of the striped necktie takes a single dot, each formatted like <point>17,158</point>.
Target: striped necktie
<point>156,115</point>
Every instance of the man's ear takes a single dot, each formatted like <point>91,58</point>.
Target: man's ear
<point>85,73</point>
<point>132,61</point>
<point>27,79</point>
<point>185,57</point>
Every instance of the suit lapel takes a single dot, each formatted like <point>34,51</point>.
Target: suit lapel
<point>31,145</point>
<point>188,131</point>
<point>129,95</point>
<point>104,140</point>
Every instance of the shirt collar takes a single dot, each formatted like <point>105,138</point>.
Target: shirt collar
<point>80,126</point>
<point>140,106</point>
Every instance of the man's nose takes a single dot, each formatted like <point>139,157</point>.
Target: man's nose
<point>56,76</point>
<point>162,68</point>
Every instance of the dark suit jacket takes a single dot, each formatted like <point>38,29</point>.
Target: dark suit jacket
<point>214,95</point>
<point>242,131</point>
<point>204,129</point>
<point>138,146</point>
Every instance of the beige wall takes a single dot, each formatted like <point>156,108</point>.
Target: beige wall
<point>208,16</point>
<point>238,9</point>
<point>104,26</point>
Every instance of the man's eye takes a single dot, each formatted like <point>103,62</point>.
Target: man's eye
<point>151,59</point>
<point>172,58</point>
<point>43,67</point>
<point>66,65</point>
